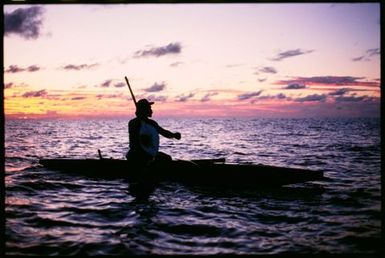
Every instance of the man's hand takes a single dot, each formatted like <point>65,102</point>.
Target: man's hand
<point>177,136</point>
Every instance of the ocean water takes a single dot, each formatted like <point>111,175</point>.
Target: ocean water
<point>53,213</point>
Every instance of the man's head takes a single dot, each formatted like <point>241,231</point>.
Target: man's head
<point>143,108</point>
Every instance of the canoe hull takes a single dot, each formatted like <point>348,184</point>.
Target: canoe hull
<point>242,176</point>
<point>193,173</point>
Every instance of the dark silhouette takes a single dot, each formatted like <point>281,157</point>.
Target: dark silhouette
<point>144,152</point>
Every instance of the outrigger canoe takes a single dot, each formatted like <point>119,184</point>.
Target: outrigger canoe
<point>195,172</point>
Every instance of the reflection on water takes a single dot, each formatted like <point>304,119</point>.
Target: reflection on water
<point>52,213</point>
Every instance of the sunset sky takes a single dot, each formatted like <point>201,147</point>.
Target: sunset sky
<point>193,60</point>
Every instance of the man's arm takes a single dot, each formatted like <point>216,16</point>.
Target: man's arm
<point>166,133</point>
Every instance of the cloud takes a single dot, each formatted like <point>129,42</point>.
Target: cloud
<point>106,84</point>
<point>249,95</point>
<point>313,97</point>
<point>267,97</point>
<point>110,83</point>
<point>373,52</point>
<point>339,92</point>
<point>294,86</point>
<point>331,80</point>
<point>353,98</point>
<point>110,96</point>
<point>281,96</point>
<point>17,69</point>
<point>100,96</point>
<point>232,65</point>
<point>184,98</point>
<point>367,55</point>
<point>33,68</point>
<point>360,58</point>
<point>79,67</point>
<point>25,22</point>
<point>172,48</point>
<point>290,53</point>
<point>208,96</point>
<point>267,69</point>
<point>35,94</point>
<point>176,64</point>
<point>156,87</point>
<point>78,98</point>
<point>8,85</point>
<point>14,69</point>
<point>119,85</point>
<point>157,98</point>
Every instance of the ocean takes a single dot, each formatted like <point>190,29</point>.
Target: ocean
<point>49,212</point>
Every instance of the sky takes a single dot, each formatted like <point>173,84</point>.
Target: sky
<point>230,60</point>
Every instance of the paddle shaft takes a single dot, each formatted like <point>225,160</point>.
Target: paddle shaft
<point>129,87</point>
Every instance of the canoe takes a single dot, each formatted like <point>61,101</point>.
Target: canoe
<point>194,172</point>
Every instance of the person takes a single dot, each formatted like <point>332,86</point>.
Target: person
<point>143,151</point>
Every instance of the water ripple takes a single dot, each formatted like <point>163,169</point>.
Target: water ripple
<point>52,213</point>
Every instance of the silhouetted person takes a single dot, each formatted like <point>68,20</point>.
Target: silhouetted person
<point>144,150</point>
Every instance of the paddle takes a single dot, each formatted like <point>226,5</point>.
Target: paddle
<point>129,87</point>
